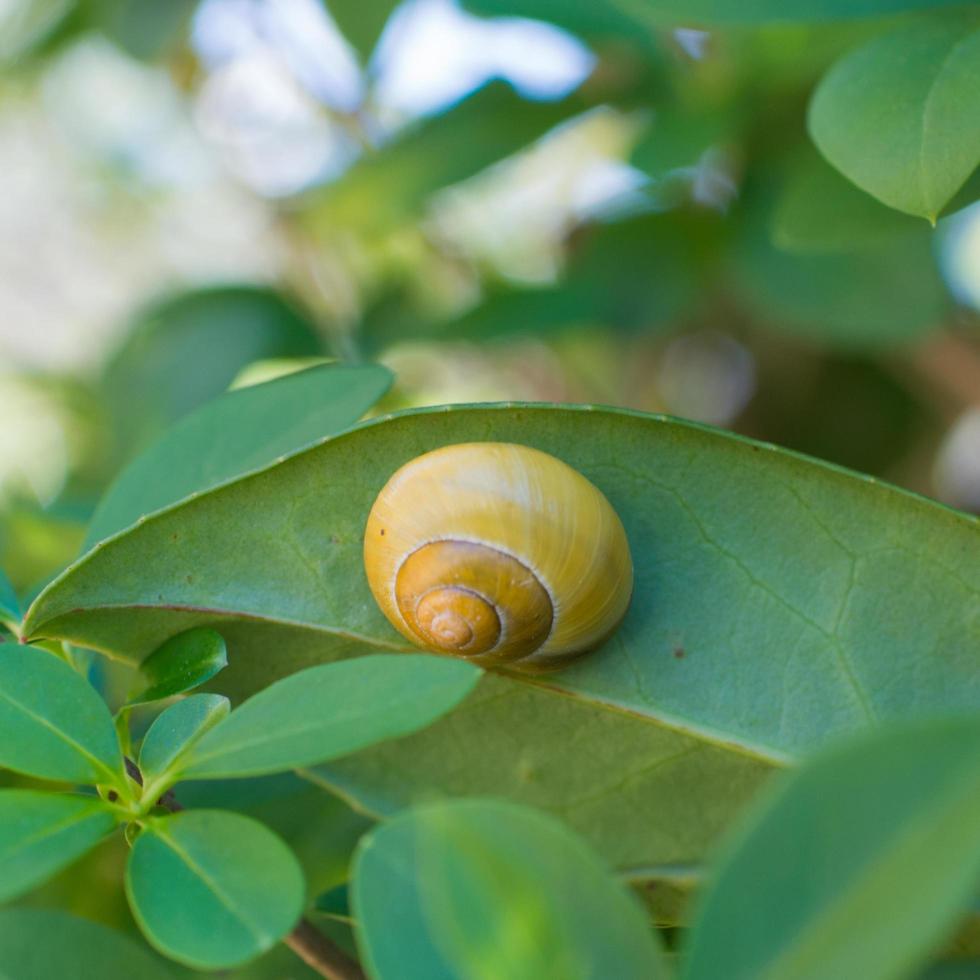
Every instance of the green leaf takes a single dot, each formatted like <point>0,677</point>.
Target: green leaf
<point>188,348</point>
<point>857,866</point>
<point>818,210</point>
<point>900,116</point>
<point>361,23</point>
<point>475,889</point>
<point>141,30</point>
<point>390,187</point>
<point>10,613</point>
<point>590,17</point>
<point>175,730</point>
<point>52,722</point>
<point>779,602</point>
<point>40,833</point>
<point>213,889</point>
<point>43,944</point>
<point>329,711</point>
<point>882,295</point>
<point>184,662</point>
<point>243,430</point>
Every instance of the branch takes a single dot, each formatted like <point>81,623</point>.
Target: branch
<point>306,941</point>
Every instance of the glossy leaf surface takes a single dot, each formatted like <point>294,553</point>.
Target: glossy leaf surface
<point>184,662</point>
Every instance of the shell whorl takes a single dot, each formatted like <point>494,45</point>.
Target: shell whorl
<point>498,553</point>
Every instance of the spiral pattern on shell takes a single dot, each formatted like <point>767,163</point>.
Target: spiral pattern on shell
<point>498,553</point>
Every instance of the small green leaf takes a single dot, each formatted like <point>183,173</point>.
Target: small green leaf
<point>9,606</point>
<point>40,833</point>
<point>213,889</point>
<point>856,866</point>
<point>900,116</point>
<point>184,662</point>
<point>46,944</point>
<point>235,433</point>
<point>465,890</point>
<point>178,728</point>
<point>52,722</point>
<point>329,711</point>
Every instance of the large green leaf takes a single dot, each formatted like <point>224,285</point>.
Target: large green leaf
<point>778,602</point>
<point>43,944</point>
<point>607,16</point>
<point>40,833</point>
<point>467,890</point>
<point>9,606</point>
<point>238,432</point>
<point>52,723</point>
<point>900,116</point>
<point>329,711</point>
<point>857,866</point>
<point>213,889</point>
<point>186,349</point>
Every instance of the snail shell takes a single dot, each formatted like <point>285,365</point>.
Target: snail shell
<point>498,553</point>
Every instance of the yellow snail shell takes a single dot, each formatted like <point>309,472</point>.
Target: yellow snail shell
<point>498,553</point>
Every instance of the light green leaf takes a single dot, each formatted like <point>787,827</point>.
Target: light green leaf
<point>240,431</point>
<point>44,944</point>
<point>213,889</point>
<point>176,729</point>
<point>467,890</point>
<point>857,866</point>
<point>52,722</point>
<point>900,116</point>
<point>329,711</point>
<point>184,662</point>
<point>40,833</point>
<point>9,606</point>
<point>779,602</point>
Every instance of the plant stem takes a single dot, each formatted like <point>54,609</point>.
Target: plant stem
<point>306,941</point>
<point>321,954</point>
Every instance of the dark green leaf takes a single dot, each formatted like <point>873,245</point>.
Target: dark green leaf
<point>176,729</point>
<point>187,349</point>
<point>900,116</point>
<point>45,944</point>
<point>9,606</point>
<point>361,23</point>
<point>330,711</point>
<point>52,723</point>
<point>472,889</point>
<point>335,903</point>
<point>732,656</point>
<point>241,431</point>
<point>857,866</point>
<point>213,889</point>
<point>184,662</point>
<point>587,17</point>
<point>40,833</point>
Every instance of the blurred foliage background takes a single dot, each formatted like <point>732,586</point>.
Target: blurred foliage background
<point>590,207</point>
